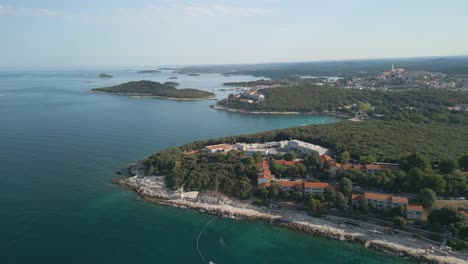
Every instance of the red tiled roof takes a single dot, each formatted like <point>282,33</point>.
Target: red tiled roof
<point>265,171</point>
<point>463,212</point>
<point>399,199</point>
<point>374,167</point>
<point>359,167</point>
<point>356,196</point>
<point>261,185</point>
<point>346,166</point>
<point>287,162</point>
<point>385,197</point>
<point>219,146</point>
<point>377,196</point>
<point>379,167</point>
<point>333,164</point>
<point>414,207</point>
<point>324,158</point>
<point>316,185</point>
<point>289,183</point>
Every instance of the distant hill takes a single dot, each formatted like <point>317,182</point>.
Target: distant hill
<point>454,65</point>
<point>149,88</point>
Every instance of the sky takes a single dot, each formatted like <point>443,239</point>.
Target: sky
<point>119,33</point>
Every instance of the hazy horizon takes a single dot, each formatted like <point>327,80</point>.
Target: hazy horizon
<point>143,33</point>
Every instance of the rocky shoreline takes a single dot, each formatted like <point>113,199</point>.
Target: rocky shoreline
<point>152,189</point>
<point>244,111</point>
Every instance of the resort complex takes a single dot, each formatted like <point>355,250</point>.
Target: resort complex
<point>269,152</point>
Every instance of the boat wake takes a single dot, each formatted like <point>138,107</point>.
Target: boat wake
<point>198,241</point>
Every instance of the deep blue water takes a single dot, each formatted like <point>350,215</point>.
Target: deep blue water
<point>60,145</point>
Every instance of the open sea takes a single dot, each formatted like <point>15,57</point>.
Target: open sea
<point>60,145</point>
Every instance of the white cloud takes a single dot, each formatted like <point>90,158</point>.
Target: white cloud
<point>220,10</point>
<point>169,9</point>
<point>15,11</point>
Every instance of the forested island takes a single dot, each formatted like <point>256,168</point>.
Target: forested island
<point>155,89</point>
<point>149,71</point>
<point>104,75</point>
<point>172,83</point>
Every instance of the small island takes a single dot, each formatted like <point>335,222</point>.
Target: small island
<point>104,75</point>
<point>172,83</point>
<point>193,74</point>
<point>149,71</point>
<point>155,89</point>
<point>173,78</point>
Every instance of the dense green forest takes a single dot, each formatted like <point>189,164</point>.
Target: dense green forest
<point>414,146</point>
<point>232,174</point>
<point>149,88</point>
<point>424,105</point>
<point>387,140</point>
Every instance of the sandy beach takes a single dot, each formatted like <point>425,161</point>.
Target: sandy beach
<point>153,189</point>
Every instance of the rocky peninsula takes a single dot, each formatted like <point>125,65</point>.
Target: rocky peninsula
<point>153,189</point>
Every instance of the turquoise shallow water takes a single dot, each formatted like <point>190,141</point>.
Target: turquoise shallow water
<point>59,146</point>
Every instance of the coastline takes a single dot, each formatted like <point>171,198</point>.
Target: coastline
<point>244,111</point>
<point>136,95</point>
<point>152,189</point>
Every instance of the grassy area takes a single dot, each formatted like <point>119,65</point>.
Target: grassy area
<point>450,203</point>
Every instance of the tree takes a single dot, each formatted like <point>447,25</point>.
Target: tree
<point>296,170</point>
<point>463,162</point>
<point>264,193</point>
<point>244,188</point>
<point>311,160</point>
<point>278,169</point>
<point>346,186</point>
<point>290,155</point>
<point>434,182</point>
<point>278,156</point>
<point>330,195</point>
<point>364,107</point>
<point>314,204</point>
<point>297,193</point>
<point>344,157</point>
<point>398,210</point>
<point>445,216</point>
<point>257,156</point>
<point>363,206</point>
<point>399,222</point>
<point>447,166</point>
<point>369,159</point>
<point>341,202</point>
<point>274,190</point>
<point>414,180</point>
<point>426,198</point>
<point>415,160</point>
